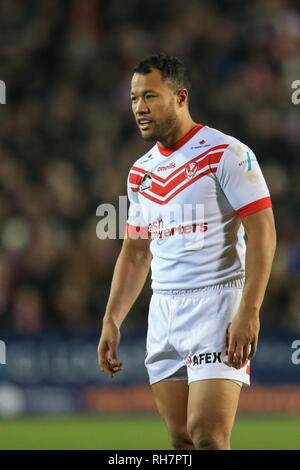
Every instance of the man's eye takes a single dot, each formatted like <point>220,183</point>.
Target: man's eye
<point>150,96</point>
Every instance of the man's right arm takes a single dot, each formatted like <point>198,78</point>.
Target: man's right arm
<point>130,274</point>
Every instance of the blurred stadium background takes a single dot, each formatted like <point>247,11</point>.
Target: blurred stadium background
<point>67,141</point>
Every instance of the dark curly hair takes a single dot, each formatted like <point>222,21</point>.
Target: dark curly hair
<point>170,67</point>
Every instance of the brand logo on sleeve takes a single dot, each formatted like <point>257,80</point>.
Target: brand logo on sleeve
<point>248,161</point>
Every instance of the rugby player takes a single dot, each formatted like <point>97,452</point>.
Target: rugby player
<point>208,283</point>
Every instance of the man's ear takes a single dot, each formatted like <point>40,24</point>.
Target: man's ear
<point>182,96</point>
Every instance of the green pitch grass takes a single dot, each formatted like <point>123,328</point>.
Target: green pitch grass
<point>84,432</point>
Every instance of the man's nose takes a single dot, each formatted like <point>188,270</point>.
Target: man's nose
<point>141,106</point>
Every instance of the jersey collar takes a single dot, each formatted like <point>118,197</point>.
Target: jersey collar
<point>166,151</point>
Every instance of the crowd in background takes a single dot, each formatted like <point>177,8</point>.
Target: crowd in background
<point>68,139</point>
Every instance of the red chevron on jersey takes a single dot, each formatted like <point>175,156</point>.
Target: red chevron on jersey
<point>154,199</point>
<point>136,169</point>
<point>205,164</point>
<point>205,161</point>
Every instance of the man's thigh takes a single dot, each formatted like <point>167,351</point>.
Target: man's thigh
<point>171,398</point>
<point>212,406</point>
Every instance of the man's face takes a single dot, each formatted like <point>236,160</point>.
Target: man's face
<point>153,105</point>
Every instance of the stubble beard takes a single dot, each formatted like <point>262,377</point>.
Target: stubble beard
<point>163,130</point>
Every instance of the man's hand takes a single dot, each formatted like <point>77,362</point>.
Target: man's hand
<point>107,348</point>
<point>243,334</point>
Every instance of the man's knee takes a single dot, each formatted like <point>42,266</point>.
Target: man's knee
<point>207,436</point>
<point>180,440</point>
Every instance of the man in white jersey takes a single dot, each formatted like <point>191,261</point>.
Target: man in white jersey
<point>207,286</point>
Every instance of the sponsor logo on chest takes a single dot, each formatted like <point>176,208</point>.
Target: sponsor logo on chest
<point>166,167</point>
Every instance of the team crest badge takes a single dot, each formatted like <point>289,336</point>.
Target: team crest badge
<point>146,182</point>
<point>190,170</point>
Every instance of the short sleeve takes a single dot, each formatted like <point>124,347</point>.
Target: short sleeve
<point>136,226</point>
<point>242,181</point>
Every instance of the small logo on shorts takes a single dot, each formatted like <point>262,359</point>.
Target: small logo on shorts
<point>188,361</point>
<point>204,358</point>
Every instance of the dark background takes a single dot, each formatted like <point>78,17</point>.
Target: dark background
<point>68,139</point>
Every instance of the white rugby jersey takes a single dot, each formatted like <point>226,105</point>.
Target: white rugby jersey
<point>190,198</point>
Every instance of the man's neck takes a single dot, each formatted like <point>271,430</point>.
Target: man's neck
<point>185,127</point>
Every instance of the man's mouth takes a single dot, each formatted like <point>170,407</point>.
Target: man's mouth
<point>144,123</point>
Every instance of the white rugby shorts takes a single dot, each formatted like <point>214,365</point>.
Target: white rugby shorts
<point>187,334</point>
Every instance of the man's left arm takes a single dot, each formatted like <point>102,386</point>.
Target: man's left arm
<point>261,244</point>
